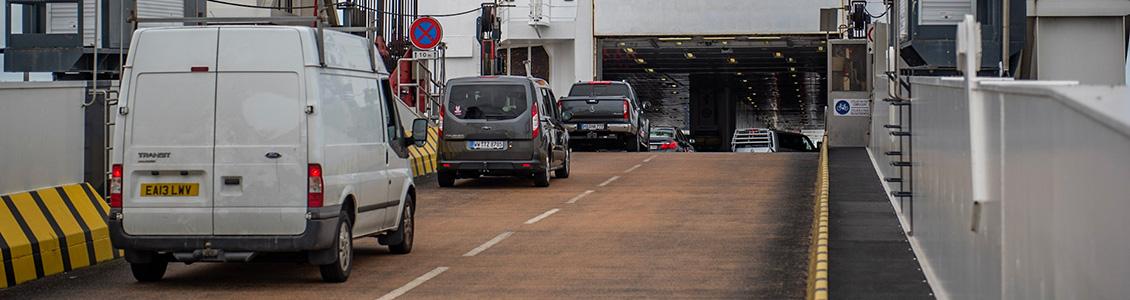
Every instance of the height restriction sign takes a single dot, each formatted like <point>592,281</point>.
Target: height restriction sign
<point>425,33</point>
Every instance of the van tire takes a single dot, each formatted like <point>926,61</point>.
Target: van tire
<point>541,179</point>
<point>445,179</point>
<point>632,143</point>
<point>563,172</point>
<point>407,229</point>
<point>151,271</point>
<point>339,269</point>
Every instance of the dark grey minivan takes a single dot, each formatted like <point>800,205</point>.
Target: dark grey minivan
<point>501,126</point>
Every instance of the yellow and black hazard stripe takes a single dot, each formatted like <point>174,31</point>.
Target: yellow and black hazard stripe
<point>423,159</point>
<point>52,230</point>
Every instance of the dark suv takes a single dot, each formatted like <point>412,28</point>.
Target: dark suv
<point>606,112</point>
<point>501,126</point>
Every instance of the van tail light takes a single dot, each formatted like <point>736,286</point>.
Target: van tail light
<point>626,107</point>
<point>116,186</point>
<point>535,123</point>
<point>672,145</point>
<point>314,195</point>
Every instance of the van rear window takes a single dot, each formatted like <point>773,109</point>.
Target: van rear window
<point>488,102</point>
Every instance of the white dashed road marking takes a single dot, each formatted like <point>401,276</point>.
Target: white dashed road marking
<point>578,197</point>
<point>413,284</point>
<point>610,180</point>
<point>542,216</point>
<point>488,244</point>
<point>653,156</point>
<point>633,168</point>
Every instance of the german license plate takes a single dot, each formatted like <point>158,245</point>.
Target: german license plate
<point>654,147</point>
<point>592,126</point>
<point>170,189</point>
<point>486,145</point>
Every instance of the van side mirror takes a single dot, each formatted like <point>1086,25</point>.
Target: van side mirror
<point>420,132</point>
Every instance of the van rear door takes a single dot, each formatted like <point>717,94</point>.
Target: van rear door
<point>260,163</point>
<point>169,133</point>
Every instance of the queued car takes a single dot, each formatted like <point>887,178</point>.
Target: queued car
<point>501,126</point>
<point>606,113</point>
<point>763,140</point>
<point>670,139</point>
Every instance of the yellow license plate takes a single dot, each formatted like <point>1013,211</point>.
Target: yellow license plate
<point>170,189</point>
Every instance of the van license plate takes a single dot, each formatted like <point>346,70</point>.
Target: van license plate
<point>592,126</point>
<point>486,145</point>
<point>170,189</point>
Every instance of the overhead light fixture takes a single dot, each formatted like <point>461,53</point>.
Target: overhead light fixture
<point>725,43</point>
<point>732,60</point>
<point>764,37</point>
<point>663,78</point>
<point>718,38</point>
<point>629,50</point>
<point>792,70</point>
<point>750,87</point>
<point>689,55</point>
<point>621,44</point>
<point>820,49</point>
<point>674,92</point>
<point>739,73</point>
<point>678,43</point>
<point>670,39</point>
<point>745,80</point>
<point>640,61</point>
<point>674,85</point>
<point>649,70</point>
<point>778,55</point>
<point>791,59</point>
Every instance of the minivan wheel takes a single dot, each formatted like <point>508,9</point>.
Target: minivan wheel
<point>563,172</point>
<point>149,272</point>
<point>407,230</point>
<point>542,178</point>
<point>338,270</point>
<point>445,179</point>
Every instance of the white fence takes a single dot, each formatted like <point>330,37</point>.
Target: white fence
<point>1054,225</point>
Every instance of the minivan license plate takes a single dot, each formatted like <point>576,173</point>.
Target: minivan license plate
<point>592,126</point>
<point>170,189</point>
<point>486,145</point>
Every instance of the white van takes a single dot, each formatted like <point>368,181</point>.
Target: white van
<point>235,143</point>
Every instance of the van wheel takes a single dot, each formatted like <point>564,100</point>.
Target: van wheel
<point>149,272</point>
<point>632,143</point>
<point>563,172</point>
<point>445,179</point>
<point>407,230</point>
<point>542,178</point>
<point>338,270</point>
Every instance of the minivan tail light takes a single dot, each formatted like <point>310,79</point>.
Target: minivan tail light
<point>116,186</point>
<point>626,107</point>
<point>535,122</point>
<point>314,189</point>
<point>442,112</point>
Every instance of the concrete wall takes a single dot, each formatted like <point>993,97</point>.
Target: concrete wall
<point>704,17</point>
<point>41,134</point>
<point>1053,226</point>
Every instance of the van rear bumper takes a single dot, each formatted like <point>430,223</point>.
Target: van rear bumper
<point>320,232</point>
<point>492,168</point>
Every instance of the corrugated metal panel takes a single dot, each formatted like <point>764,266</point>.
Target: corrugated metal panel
<point>943,12</point>
<point>62,18</point>
<point>160,9</point>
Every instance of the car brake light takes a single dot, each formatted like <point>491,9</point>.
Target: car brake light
<point>626,108</point>
<point>672,145</point>
<point>600,82</point>
<point>116,186</point>
<point>314,195</point>
<point>535,122</point>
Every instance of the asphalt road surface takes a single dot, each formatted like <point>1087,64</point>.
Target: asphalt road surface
<point>625,225</point>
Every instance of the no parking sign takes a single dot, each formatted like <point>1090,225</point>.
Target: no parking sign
<point>425,33</point>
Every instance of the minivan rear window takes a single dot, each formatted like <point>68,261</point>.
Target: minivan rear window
<point>585,89</point>
<point>487,101</point>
